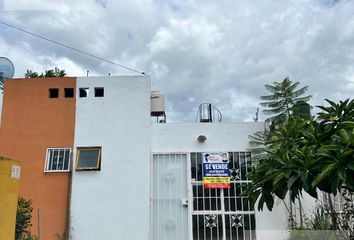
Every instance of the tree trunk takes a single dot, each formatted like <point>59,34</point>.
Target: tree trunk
<point>332,211</point>
<point>300,212</point>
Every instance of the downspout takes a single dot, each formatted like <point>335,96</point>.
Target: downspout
<point>67,227</point>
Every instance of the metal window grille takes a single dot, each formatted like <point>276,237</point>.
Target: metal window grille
<point>183,210</point>
<point>222,213</point>
<point>58,160</point>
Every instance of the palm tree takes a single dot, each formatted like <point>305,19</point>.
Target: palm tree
<point>283,98</point>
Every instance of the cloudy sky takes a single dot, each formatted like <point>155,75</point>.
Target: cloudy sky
<point>222,52</point>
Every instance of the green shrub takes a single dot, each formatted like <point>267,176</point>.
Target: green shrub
<point>23,219</point>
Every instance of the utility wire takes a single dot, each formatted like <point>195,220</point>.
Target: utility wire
<point>71,48</point>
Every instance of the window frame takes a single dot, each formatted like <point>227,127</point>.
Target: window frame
<point>46,170</point>
<point>99,90</point>
<point>85,89</point>
<point>52,92</point>
<point>98,166</point>
<point>67,90</point>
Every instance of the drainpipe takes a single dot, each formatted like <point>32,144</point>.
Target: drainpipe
<point>67,227</point>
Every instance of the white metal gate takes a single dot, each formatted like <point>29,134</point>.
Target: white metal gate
<point>199,214</point>
<point>170,197</point>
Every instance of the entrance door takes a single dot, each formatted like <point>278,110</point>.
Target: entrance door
<point>170,197</point>
<point>222,214</point>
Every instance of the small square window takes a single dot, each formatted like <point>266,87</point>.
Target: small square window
<point>88,158</point>
<point>68,92</point>
<point>99,92</point>
<point>57,160</point>
<point>53,92</point>
<point>83,92</point>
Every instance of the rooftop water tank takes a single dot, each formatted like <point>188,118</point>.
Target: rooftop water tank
<point>157,104</point>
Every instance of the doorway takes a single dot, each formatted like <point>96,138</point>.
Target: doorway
<point>183,210</point>
<point>222,214</point>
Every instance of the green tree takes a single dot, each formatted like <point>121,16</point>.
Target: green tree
<point>56,72</point>
<point>285,102</point>
<point>307,155</point>
<point>23,219</point>
<point>302,110</point>
<point>283,98</point>
<point>336,146</point>
<point>283,168</point>
<point>31,74</point>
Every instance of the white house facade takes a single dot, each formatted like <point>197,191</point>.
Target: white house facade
<point>123,175</point>
<point>149,181</point>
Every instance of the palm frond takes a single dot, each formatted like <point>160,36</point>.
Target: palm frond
<point>274,110</point>
<point>273,104</point>
<point>298,92</point>
<point>271,88</point>
<point>292,87</point>
<point>305,99</point>
<point>271,97</point>
<point>276,104</point>
<point>333,104</point>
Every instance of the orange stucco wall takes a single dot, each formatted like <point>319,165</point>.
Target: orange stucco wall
<point>32,122</point>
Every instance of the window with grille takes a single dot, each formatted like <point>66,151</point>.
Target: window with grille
<point>222,213</point>
<point>58,160</point>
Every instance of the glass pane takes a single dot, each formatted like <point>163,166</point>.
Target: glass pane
<point>68,92</point>
<point>99,92</point>
<point>88,158</point>
<point>55,159</point>
<point>50,160</point>
<point>197,167</point>
<point>60,159</point>
<point>243,165</point>
<point>205,199</point>
<point>66,159</point>
<point>83,92</point>
<point>234,201</point>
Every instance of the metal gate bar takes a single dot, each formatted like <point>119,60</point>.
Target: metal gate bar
<point>169,195</point>
<point>224,214</point>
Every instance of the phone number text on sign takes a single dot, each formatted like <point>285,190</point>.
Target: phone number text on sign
<point>216,170</point>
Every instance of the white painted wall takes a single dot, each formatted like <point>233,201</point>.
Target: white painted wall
<point>113,203</point>
<point>169,138</point>
<point>182,137</point>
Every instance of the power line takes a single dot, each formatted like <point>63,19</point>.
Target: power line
<point>71,48</point>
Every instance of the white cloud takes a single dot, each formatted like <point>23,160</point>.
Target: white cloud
<point>196,51</point>
<point>49,5</point>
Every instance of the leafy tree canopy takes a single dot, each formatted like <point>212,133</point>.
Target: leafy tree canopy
<point>56,72</point>
<point>284,96</point>
<point>309,155</point>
